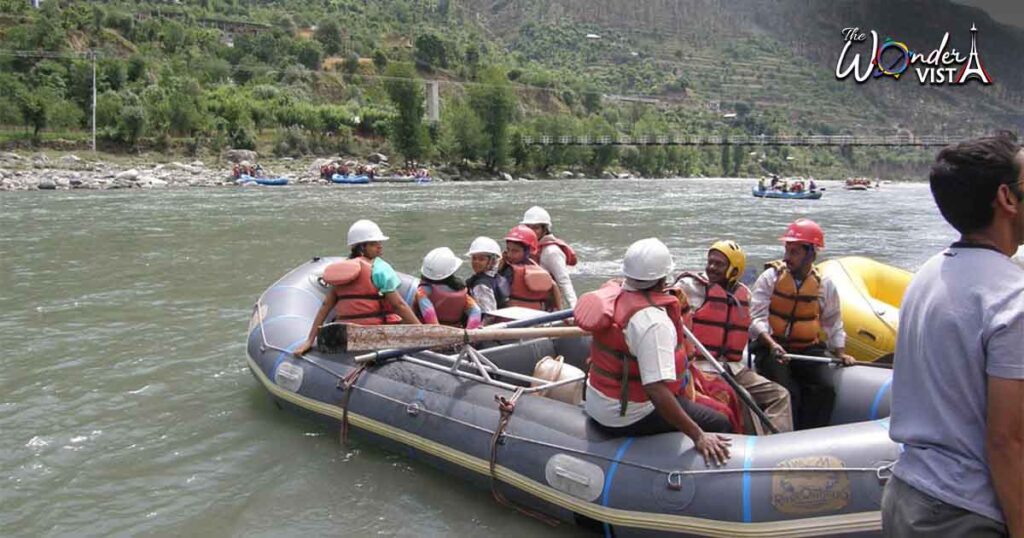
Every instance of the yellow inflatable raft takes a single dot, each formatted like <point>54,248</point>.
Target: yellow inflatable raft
<point>870,293</point>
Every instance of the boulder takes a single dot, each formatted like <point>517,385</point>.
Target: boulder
<point>566,174</point>
<point>505,176</point>
<point>75,182</point>
<point>197,164</point>
<point>608,175</point>
<point>127,175</point>
<point>239,155</point>
<point>63,182</point>
<point>184,167</point>
<point>377,158</point>
<point>8,156</point>
<point>47,185</point>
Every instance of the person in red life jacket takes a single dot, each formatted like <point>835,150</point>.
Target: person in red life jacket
<point>530,286</point>
<point>720,306</point>
<point>790,305</point>
<point>488,288</point>
<point>442,298</point>
<point>554,255</point>
<point>364,288</point>
<point>638,383</point>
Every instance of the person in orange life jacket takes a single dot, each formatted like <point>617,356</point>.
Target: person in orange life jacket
<point>530,286</point>
<point>553,254</point>
<point>638,382</point>
<point>721,321</point>
<point>790,305</point>
<point>442,297</point>
<point>488,288</point>
<point>363,287</point>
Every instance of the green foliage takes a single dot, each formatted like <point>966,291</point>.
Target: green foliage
<point>328,33</point>
<point>462,133</point>
<point>431,51</point>
<point>408,135</point>
<point>494,102</point>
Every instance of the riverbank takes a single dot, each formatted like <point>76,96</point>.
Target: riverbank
<point>52,170</point>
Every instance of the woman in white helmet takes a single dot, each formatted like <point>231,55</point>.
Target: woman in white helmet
<point>364,288</point>
<point>442,297</point>
<point>554,255</point>
<point>638,382</point>
<point>488,288</point>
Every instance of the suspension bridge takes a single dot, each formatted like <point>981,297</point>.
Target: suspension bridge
<point>902,140</point>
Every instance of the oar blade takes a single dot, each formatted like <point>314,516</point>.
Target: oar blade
<point>371,337</point>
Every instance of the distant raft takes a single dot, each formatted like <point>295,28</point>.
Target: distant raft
<point>480,415</point>
<point>870,294</point>
<point>361,179</point>
<point>270,182</point>
<point>804,195</point>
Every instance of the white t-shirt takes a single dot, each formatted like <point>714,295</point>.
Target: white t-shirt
<point>552,259</point>
<point>651,338</point>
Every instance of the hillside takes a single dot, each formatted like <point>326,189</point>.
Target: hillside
<point>293,77</point>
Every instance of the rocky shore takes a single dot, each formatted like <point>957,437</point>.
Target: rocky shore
<point>41,171</point>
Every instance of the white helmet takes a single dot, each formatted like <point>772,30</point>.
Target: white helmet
<point>363,231</point>
<point>484,245</point>
<point>647,259</point>
<point>440,264</point>
<point>536,215</point>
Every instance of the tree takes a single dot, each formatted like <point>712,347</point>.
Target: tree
<point>309,53</point>
<point>351,64</point>
<point>407,133</point>
<point>132,124</point>
<point>380,60</point>
<point>329,35</point>
<point>494,103</point>
<point>462,132</point>
<point>35,110</point>
<point>431,51</point>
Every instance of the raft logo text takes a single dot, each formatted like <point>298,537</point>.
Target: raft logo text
<point>891,58</point>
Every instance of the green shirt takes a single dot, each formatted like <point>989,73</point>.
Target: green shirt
<point>384,276</point>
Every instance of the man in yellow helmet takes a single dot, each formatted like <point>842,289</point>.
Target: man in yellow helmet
<point>721,320</point>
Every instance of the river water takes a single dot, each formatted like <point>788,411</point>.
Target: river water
<point>126,407</point>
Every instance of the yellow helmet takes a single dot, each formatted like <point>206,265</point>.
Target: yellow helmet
<point>737,259</point>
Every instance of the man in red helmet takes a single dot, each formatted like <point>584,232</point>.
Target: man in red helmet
<point>790,306</point>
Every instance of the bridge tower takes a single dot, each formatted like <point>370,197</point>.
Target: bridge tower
<point>973,67</point>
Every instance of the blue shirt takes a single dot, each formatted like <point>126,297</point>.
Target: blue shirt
<point>962,321</point>
<point>384,276</point>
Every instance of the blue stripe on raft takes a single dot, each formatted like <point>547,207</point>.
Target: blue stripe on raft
<point>748,461</point>
<point>282,356</point>
<point>873,413</point>
<point>610,477</point>
<point>283,287</point>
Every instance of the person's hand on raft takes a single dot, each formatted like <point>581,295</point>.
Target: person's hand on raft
<point>714,448</point>
<point>303,348</point>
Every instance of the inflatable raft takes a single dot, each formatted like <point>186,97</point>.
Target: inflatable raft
<point>805,195</point>
<point>870,293</point>
<point>481,416</point>
<point>350,179</point>
<point>268,181</point>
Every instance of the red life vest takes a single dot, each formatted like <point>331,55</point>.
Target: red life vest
<point>530,286</point>
<point>721,323</point>
<point>614,371</point>
<point>570,254</point>
<point>358,300</point>
<point>449,305</point>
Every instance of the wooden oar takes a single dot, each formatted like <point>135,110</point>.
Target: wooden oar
<point>366,337</point>
<point>831,360</point>
<point>385,354</point>
<point>727,376</point>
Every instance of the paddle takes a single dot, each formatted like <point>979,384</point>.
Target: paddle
<point>740,391</point>
<point>356,337</point>
<point>392,353</point>
<point>831,360</point>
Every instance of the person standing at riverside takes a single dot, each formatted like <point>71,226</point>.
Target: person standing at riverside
<point>958,384</point>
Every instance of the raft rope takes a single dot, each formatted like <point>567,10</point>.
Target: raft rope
<point>866,300</point>
<point>506,407</point>
<point>346,384</point>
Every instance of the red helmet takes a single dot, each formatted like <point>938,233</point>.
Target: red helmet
<point>804,231</point>
<point>523,234</point>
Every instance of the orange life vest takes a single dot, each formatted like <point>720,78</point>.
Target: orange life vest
<point>794,314</point>
<point>721,323</point>
<point>530,286</point>
<point>449,305</point>
<point>358,300</point>
<point>614,371</point>
<point>570,254</point>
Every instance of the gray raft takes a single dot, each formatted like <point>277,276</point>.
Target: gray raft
<point>553,460</point>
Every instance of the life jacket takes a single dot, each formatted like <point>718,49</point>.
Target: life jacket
<point>614,371</point>
<point>570,254</point>
<point>530,286</point>
<point>721,323</point>
<point>794,314</point>
<point>449,305</point>
<point>491,281</point>
<point>358,300</point>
